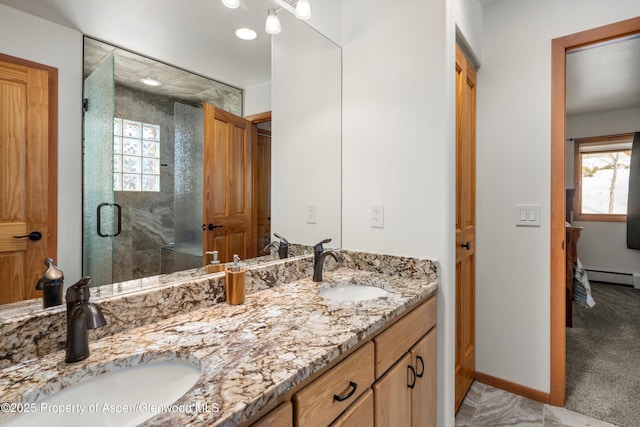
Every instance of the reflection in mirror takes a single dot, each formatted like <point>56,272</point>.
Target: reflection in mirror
<point>308,172</point>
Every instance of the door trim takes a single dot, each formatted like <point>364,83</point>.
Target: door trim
<point>52,172</point>
<point>559,48</point>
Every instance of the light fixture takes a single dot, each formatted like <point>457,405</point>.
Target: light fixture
<point>303,10</point>
<point>246,34</point>
<point>231,4</point>
<point>273,23</point>
<point>150,82</point>
<point>300,8</point>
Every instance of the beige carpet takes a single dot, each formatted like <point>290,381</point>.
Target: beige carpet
<point>603,356</point>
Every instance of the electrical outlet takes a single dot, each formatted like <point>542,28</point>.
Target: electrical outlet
<point>377,216</point>
<point>312,214</point>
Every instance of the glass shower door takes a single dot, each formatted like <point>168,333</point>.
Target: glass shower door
<point>189,148</point>
<point>100,215</point>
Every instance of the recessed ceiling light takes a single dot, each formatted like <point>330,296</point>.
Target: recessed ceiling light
<point>246,34</point>
<point>150,82</point>
<point>232,4</point>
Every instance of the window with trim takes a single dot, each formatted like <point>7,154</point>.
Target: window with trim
<point>601,177</point>
<point>136,156</point>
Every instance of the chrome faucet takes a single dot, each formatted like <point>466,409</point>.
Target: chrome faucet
<point>319,255</point>
<point>282,246</point>
<point>51,284</point>
<point>82,315</point>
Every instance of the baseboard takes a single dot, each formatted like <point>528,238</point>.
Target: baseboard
<point>514,388</point>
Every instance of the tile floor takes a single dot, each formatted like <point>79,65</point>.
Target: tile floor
<point>489,406</point>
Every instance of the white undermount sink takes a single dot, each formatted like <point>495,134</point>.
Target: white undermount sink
<point>95,402</point>
<point>344,293</point>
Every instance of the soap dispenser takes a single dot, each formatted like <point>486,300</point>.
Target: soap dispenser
<point>214,266</point>
<point>51,284</point>
<point>235,282</point>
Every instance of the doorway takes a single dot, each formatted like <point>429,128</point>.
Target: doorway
<point>559,48</point>
<point>29,174</point>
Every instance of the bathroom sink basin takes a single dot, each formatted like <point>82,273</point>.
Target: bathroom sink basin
<point>353,293</point>
<point>121,397</point>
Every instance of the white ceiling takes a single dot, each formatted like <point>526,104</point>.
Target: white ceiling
<point>604,76</point>
<point>197,35</point>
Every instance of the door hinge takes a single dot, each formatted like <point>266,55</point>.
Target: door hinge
<point>85,104</point>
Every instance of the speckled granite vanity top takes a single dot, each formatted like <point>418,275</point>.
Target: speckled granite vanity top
<point>249,354</point>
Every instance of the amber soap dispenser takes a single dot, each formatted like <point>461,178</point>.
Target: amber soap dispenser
<point>235,284</point>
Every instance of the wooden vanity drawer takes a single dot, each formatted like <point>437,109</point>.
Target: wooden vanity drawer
<point>394,342</point>
<point>315,404</point>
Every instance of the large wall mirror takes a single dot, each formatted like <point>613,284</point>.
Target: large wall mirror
<point>144,174</point>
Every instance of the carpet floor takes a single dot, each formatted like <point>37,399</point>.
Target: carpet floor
<point>603,356</point>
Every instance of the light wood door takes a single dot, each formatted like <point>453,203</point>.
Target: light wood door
<point>465,225</point>
<point>26,161</point>
<point>392,396</point>
<point>228,216</point>
<point>423,395</point>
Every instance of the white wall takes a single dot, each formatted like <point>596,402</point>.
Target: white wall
<point>257,99</point>
<point>37,40</point>
<point>603,245</point>
<point>468,18</point>
<point>513,166</point>
<point>398,145</point>
<point>306,125</point>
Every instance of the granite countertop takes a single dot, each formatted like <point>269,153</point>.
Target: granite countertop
<point>249,354</point>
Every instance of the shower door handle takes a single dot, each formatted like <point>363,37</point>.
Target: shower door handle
<point>118,210</point>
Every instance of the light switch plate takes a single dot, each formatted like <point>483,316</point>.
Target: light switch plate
<point>528,215</point>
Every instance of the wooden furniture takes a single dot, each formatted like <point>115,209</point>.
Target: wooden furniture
<point>389,380</point>
<point>573,234</point>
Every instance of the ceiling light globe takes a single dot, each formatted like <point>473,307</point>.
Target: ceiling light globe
<point>231,4</point>
<point>273,23</point>
<point>303,10</point>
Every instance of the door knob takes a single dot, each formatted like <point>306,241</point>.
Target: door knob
<point>33,236</point>
<point>211,226</point>
<point>466,245</point>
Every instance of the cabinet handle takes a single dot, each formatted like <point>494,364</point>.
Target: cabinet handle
<point>419,359</point>
<point>353,386</point>
<point>413,377</point>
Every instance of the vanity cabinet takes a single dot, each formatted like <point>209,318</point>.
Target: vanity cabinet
<point>282,416</point>
<point>322,401</point>
<point>389,381</point>
<point>405,393</point>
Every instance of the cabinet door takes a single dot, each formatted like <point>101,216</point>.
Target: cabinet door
<point>423,395</point>
<point>392,396</point>
<point>282,416</point>
<point>360,414</point>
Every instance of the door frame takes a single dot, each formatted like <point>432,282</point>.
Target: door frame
<point>559,49</point>
<point>52,159</point>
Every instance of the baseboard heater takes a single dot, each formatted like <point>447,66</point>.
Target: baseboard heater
<point>629,279</point>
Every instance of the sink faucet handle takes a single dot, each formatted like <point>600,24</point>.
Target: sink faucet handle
<point>51,275</point>
<point>318,247</point>
<point>282,239</point>
<point>79,292</point>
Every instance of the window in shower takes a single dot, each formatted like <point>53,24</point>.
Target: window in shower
<point>136,156</point>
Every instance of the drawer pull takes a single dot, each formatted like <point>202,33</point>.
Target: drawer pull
<point>412,384</point>
<point>421,373</point>
<point>353,386</point>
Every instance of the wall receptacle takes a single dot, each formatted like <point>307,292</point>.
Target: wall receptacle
<point>377,216</point>
<point>312,214</point>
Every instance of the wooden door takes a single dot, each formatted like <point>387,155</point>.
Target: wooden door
<point>465,225</point>
<point>423,395</point>
<point>228,216</point>
<point>28,175</point>
<point>392,396</point>
<point>262,188</point>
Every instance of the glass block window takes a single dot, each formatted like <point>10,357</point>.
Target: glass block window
<point>136,156</point>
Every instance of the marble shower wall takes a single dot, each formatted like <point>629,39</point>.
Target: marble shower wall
<point>147,217</point>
